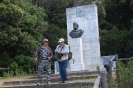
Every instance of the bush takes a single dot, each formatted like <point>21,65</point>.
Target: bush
<point>25,64</point>
<point>124,76</point>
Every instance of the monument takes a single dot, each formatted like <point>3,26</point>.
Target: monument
<point>77,50</point>
<point>83,37</point>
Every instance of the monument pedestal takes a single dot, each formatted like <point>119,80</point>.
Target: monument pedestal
<point>56,65</point>
<point>76,63</point>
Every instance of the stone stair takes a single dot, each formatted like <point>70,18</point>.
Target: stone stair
<point>84,79</point>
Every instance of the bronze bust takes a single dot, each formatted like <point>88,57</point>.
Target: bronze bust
<point>76,33</point>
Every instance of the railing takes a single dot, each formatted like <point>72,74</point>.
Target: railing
<point>105,75</point>
<point>97,83</point>
<point>8,69</point>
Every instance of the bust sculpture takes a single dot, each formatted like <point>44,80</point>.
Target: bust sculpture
<point>76,33</point>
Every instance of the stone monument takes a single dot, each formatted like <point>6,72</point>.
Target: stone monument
<point>76,48</point>
<point>86,46</point>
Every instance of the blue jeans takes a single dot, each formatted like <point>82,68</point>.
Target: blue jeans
<point>62,69</point>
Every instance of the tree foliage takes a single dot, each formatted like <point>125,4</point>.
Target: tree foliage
<point>21,30</point>
<point>116,30</point>
<point>119,13</point>
<point>116,41</point>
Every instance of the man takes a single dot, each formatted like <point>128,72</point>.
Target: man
<point>63,49</point>
<point>43,56</point>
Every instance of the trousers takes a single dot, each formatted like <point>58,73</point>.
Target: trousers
<point>62,69</point>
<point>41,65</point>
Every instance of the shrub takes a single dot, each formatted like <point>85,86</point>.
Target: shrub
<point>124,76</point>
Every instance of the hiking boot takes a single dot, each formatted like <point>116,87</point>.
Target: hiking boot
<point>65,81</point>
<point>39,84</point>
<point>48,82</point>
<point>60,82</point>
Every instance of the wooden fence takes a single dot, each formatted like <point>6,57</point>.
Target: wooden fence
<point>106,75</point>
<point>8,69</point>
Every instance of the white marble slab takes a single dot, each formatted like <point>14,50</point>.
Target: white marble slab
<point>87,18</point>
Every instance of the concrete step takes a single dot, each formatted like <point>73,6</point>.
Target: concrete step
<point>73,73</point>
<point>85,83</point>
<point>53,79</point>
<point>81,79</point>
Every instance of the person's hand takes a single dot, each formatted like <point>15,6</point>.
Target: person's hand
<point>35,59</point>
<point>58,51</point>
<point>49,58</point>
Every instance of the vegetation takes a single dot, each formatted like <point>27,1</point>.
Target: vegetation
<point>21,27</point>
<point>124,76</point>
<point>116,28</point>
<point>23,24</point>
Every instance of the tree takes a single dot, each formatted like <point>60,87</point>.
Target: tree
<point>116,41</point>
<point>119,13</point>
<point>21,30</point>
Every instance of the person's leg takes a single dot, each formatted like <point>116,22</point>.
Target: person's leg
<point>60,70</point>
<point>64,72</point>
<point>48,73</point>
<point>40,72</point>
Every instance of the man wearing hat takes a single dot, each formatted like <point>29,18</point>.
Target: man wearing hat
<point>63,49</point>
<point>43,56</point>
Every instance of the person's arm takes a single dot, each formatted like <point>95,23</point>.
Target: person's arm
<point>50,54</point>
<point>36,55</point>
<point>57,49</point>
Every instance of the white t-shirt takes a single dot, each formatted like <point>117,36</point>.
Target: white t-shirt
<point>64,49</point>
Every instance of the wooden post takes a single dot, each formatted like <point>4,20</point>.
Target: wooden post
<point>117,70</point>
<point>103,79</point>
<point>8,70</point>
<point>110,68</point>
<point>76,2</point>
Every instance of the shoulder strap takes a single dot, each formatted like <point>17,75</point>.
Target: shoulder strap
<point>61,47</point>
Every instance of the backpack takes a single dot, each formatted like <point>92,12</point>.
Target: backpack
<point>69,54</point>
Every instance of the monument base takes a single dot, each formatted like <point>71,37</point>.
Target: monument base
<point>77,68</point>
<point>92,67</point>
<point>76,63</point>
<point>56,67</point>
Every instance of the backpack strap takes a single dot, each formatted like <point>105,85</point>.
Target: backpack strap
<point>61,47</point>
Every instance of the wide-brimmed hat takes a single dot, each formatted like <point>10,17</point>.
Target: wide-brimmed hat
<point>61,40</point>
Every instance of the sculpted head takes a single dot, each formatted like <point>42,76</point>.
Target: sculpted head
<point>76,33</point>
<point>75,26</point>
